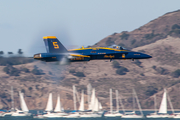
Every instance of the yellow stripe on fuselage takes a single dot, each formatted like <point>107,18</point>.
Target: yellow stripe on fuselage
<point>97,48</point>
<point>79,55</point>
<point>49,37</point>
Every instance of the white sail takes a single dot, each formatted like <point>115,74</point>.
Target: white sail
<point>138,102</point>
<point>91,105</point>
<point>100,106</point>
<point>81,107</point>
<point>58,105</point>
<point>89,90</point>
<point>117,101</point>
<point>163,106</point>
<point>12,99</point>
<point>49,106</point>
<point>23,104</point>
<point>74,97</point>
<point>96,105</point>
<point>111,106</point>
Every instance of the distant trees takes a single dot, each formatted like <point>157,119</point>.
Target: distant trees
<point>151,90</point>
<point>12,71</point>
<point>78,74</point>
<point>120,69</point>
<point>37,71</point>
<point>176,73</point>
<point>161,70</point>
<point>124,35</point>
<point>175,26</point>
<point>20,52</point>
<point>116,64</point>
<point>109,41</point>
<point>150,36</point>
<point>26,70</point>
<point>1,52</point>
<point>14,60</point>
<point>138,63</point>
<point>10,53</point>
<point>175,30</point>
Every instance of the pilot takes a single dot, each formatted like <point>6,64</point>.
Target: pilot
<point>121,48</point>
<point>114,46</point>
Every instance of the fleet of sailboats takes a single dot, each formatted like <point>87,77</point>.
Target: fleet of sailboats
<point>94,109</point>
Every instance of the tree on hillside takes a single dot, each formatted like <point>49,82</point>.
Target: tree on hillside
<point>122,70</point>
<point>10,53</point>
<point>37,71</point>
<point>20,52</point>
<point>1,52</point>
<point>176,73</point>
<point>12,71</point>
<point>116,64</point>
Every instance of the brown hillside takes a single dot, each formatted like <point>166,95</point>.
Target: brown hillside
<point>159,28</point>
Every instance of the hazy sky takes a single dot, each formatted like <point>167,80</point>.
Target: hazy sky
<point>23,23</point>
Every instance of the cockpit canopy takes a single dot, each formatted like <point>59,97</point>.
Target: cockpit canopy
<point>112,46</point>
<point>117,47</point>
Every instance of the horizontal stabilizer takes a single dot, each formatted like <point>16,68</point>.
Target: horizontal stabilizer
<point>75,55</point>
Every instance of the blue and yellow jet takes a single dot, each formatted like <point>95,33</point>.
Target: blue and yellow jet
<point>57,52</point>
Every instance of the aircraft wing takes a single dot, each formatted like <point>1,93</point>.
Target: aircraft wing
<point>77,55</point>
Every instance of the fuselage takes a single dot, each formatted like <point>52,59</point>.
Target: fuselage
<point>87,54</point>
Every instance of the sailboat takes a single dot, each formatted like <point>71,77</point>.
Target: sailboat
<point>163,108</point>
<point>94,109</point>
<point>24,111</point>
<point>12,104</point>
<point>133,114</point>
<point>81,107</point>
<point>117,105</point>
<point>58,109</point>
<point>153,115</point>
<point>82,114</point>
<point>49,107</point>
<point>73,114</point>
<point>112,113</point>
<point>58,113</point>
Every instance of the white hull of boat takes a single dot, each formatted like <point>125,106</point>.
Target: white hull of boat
<point>90,115</point>
<point>159,116</point>
<point>132,116</point>
<point>53,115</point>
<point>21,115</point>
<point>73,115</point>
<point>39,117</point>
<point>109,115</point>
<point>2,114</point>
<point>113,115</point>
<point>176,116</point>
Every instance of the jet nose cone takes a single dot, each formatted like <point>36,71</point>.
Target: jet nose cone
<point>145,56</point>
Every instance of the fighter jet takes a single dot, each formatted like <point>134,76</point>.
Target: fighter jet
<point>57,52</point>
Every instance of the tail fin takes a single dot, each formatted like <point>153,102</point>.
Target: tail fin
<point>53,45</point>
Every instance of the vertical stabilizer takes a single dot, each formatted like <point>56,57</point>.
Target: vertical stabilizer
<point>53,45</point>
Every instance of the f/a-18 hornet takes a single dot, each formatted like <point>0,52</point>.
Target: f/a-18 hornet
<point>57,52</point>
